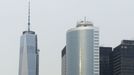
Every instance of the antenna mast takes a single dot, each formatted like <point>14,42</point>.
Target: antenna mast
<point>29,15</point>
<point>85,18</point>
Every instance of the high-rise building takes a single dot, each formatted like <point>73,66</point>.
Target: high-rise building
<point>105,60</point>
<point>123,58</point>
<point>82,50</point>
<point>29,56</point>
<point>63,66</point>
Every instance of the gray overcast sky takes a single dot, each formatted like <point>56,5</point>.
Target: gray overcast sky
<point>51,19</point>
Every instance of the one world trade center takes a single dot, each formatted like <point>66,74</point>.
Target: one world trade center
<point>29,53</point>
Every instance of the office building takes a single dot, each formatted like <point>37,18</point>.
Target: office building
<point>105,60</point>
<point>29,56</point>
<point>123,58</point>
<point>82,49</point>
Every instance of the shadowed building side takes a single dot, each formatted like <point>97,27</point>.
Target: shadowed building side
<point>63,68</point>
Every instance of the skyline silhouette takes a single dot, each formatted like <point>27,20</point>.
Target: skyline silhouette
<point>51,19</point>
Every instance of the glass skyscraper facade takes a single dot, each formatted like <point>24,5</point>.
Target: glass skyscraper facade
<point>29,56</point>
<point>105,60</point>
<point>123,58</point>
<point>82,50</point>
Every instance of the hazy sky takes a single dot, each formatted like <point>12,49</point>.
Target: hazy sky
<point>51,19</point>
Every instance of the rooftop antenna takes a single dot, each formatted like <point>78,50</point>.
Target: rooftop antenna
<point>85,18</point>
<point>29,13</point>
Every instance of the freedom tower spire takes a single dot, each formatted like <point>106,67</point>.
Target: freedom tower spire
<point>29,15</point>
<point>29,53</point>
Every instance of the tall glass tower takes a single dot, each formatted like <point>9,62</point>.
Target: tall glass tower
<point>29,56</point>
<point>82,50</point>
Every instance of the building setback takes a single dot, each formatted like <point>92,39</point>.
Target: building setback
<point>82,50</point>
<point>105,60</point>
<point>123,58</point>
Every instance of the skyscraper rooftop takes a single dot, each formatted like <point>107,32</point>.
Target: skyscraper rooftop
<point>84,23</point>
<point>127,42</point>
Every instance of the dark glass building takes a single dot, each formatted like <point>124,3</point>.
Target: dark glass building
<point>105,61</point>
<point>63,68</point>
<point>123,58</point>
